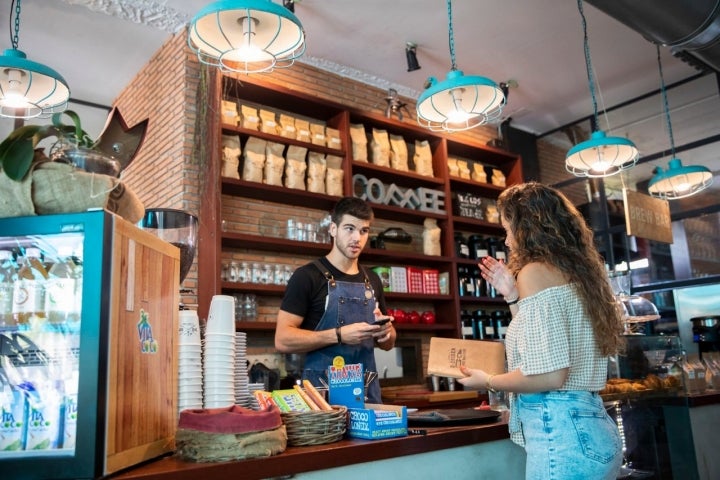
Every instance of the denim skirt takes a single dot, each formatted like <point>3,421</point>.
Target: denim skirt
<point>568,435</point>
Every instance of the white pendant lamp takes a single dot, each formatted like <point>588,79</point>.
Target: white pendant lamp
<point>601,156</point>
<point>28,89</point>
<point>459,102</point>
<point>246,36</point>
<point>678,181</point>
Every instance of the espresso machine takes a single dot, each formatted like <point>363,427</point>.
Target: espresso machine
<point>705,333</point>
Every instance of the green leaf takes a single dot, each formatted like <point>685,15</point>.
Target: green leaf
<point>17,158</point>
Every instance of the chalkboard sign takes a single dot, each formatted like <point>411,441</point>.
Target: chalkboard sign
<point>469,205</point>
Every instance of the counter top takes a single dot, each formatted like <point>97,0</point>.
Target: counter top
<point>304,459</point>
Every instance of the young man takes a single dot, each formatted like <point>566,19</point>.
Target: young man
<point>331,304</point>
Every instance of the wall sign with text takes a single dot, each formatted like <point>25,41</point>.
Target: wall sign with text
<point>375,191</point>
<point>647,217</point>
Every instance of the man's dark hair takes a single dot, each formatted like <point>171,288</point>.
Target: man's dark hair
<point>353,206</point>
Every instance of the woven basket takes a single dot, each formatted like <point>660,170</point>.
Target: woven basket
<point>317,427</point>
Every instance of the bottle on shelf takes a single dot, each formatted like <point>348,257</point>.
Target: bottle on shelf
<point>478,247</point>
<point>60,289</point>
<point>461,246</point>
<point>8,275</point>
<point>28,292</point>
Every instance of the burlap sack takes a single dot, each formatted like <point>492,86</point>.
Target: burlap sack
<point>54,187</point>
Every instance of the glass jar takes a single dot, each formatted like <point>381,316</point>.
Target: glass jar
<point>256,273</point>
<point>267,274</point>
<point>234,271</point>
<point>244,274</point>
<point>278,275</point>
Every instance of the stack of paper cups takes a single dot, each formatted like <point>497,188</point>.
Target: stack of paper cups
<point>219,353</point>
<point>243,396</point>
<point>190,382</point>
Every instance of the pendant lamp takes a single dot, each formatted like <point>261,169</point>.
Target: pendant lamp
<point>678,181</point>
<point>601,156</point>
<point>459,102</point>
<point>246,36</point>
<point>28,89</point>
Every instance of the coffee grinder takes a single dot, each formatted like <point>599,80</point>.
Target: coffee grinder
<point>178,228</point>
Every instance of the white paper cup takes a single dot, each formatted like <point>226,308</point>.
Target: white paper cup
<point>188,327</point>
<point>221,317</point>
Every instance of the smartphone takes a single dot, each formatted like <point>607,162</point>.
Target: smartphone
<point>382,320</point>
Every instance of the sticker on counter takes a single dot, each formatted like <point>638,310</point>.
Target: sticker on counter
<point>147,343</point>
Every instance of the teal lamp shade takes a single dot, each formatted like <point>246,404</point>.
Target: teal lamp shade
<point>459,102</point>
<point>601,156</point>
<point>679,181</point>
<point>29,89</point>
<point>246,36</point>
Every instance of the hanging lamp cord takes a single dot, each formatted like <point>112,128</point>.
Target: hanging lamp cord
<point>665,103</point>
<point>588,65</point>
<point>451,35</point>
<point>15,24</point>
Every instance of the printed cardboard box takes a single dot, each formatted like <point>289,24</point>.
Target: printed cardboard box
<point>346,385</point>
<point>377,421</point>
<point>448,354</point>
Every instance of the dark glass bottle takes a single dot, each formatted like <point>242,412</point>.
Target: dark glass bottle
<point>478,246</point>
<point>461,246</point>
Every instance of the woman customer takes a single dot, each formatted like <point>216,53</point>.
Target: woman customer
<point>565,325</point>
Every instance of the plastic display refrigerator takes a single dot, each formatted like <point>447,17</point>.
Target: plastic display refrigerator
<point>88,335</point>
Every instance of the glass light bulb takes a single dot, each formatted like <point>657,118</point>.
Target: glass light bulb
<point>14,97</point>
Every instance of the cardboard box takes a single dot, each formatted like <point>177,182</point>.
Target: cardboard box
<point>346,385</point>
<point>448,354</point>
<point>414,280</point>
<point>398,279</point>
<point>377,421</point>
<point>430,282</point>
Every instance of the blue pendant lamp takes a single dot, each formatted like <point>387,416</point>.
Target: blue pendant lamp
<point>459,102</point>
<point>28,89</point>
<point>601,156</point>
<point>246,36</point>
<point>678,181</point>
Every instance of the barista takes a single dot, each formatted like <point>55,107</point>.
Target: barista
<point>331,305</point>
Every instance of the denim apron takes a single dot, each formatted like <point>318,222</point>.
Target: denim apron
<point>346,303</point>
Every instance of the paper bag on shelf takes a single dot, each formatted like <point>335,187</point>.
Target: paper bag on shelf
<point>448,354</point>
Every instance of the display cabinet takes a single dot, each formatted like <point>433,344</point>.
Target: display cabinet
<point>247,221</point>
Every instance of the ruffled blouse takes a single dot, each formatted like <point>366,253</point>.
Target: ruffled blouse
<point>551,331</point>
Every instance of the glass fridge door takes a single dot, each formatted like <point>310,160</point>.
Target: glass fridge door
<point>41,284</point>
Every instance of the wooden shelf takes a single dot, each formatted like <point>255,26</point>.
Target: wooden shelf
<point>255,92</point>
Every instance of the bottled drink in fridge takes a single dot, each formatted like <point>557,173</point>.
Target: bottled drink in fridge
<point>60,289</point>
<point>8,274</point>
<point>29,289</point>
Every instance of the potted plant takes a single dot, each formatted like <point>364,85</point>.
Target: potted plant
<point>73,145</point>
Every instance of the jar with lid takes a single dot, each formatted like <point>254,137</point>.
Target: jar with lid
<point>278,275</point>
<point>461,246</point>
<point>256,273</point>
<point>233,272</point>
<point>244,275</point>
<point>267,274</point>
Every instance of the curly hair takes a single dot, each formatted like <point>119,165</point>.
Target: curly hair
<point>549,229</point>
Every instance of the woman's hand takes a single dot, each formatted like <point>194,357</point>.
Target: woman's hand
<point>497,274</point>
<point>474,378</point>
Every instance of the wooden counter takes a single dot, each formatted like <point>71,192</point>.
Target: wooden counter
<point>306,459</point>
